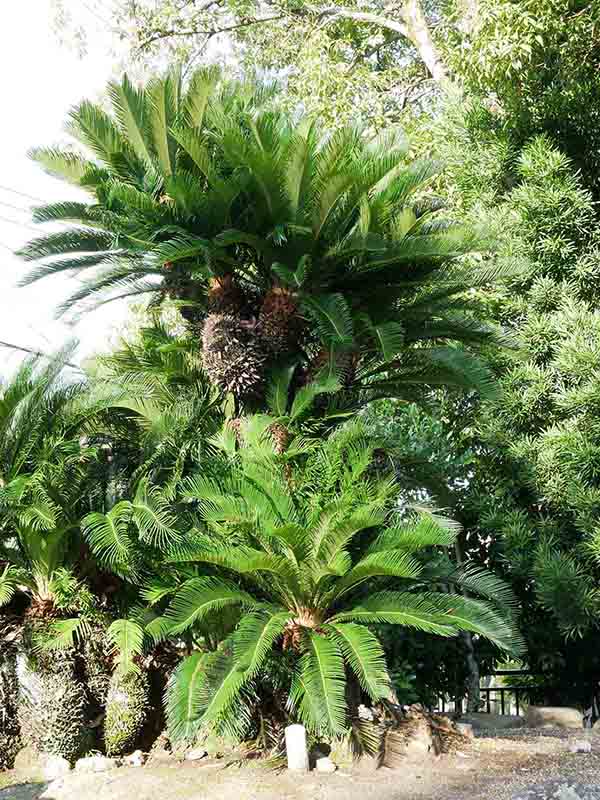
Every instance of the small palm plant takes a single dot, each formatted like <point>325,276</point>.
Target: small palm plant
<point>278,241</point>
<point>44,471</point>
<point>312,558</point>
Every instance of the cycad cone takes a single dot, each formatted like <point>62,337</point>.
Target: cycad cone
<point>126,711</point>
<point>52,706</point>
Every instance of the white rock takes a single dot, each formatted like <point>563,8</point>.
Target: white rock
<point>554,717</point>
<point>54,767</point>
<point>96,764</point>
<point>325,764</point>
<point>366,713</point>
<point>135,759</point>
<point>196,754</point>
<point>295,745</point>
<point>52,788</point>
<point>581,747</point>
<point>465,729</point>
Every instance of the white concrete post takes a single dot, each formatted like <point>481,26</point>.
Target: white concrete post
<point>295,745</point>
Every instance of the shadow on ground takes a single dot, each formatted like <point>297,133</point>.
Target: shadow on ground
<point>23,791</point>
<point>559,790</point>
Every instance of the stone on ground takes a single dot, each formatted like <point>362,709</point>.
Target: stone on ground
<point>135,759</point>
<point>465,729</point>
<point>554,717</point>
<point>325,764</point>
<point>196,754</point>
<point>54,767</point>
<point>481,721</point>
<point>95,764</point>
<point>582,746</point>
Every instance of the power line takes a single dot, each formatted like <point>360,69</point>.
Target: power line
<point>37,353</point>
<point>92,11</point>
<point>20,224</point>
<point>27,211</point>
<point>23,194</point>
<point>16,208</point>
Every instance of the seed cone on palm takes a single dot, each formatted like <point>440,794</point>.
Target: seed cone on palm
<point>279,324</point>
<point>233,355</point>
<point>225,296</point>
<point>127,707</point>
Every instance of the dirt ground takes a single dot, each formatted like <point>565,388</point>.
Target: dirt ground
<point>505,767</point>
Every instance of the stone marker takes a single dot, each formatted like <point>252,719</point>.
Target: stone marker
<point>554,717</point>
<point>325,764</point>
<point>295,745</point>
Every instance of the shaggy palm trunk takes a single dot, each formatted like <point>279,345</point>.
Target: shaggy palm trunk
<point>52,704</point>
<point>127,708</point>
<point>10,738</point>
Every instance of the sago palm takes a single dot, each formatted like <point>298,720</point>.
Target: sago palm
<point>278,241</point>
<point>306,547</point>
<point>44,479</point>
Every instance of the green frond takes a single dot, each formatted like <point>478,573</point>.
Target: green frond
<point>127,638</point>
<point>94,128</point>
<point>109,537</point>
<point>224,680</point>
<point>278,390</point>
<point>131,110</point>
<point>183,698</point>
<point>69,166</point>
<point>332,318</point>
<point>153,516</point>
<point>400,608</point>
<point>199,597</point>
<point>163,94</point>
<point>363,652</point>
<point>75,240</point>
<point>391,563</point>
<point>64,633</point>
<point>256,635</point>
<point>412,537</point>
<point>323,708</point>
<point>9,581</point>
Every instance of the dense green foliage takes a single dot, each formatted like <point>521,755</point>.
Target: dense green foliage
<point>282,245</point>
<point>298,545</point>
<point>202,506</point>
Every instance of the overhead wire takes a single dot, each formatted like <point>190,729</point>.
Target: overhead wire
<point>38,353</point>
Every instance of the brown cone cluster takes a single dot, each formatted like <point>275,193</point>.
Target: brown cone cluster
<point>239,336</point>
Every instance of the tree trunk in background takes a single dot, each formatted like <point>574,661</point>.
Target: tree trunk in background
<point>473,677</point>
<point>473,689</point>
<point>420,35</point>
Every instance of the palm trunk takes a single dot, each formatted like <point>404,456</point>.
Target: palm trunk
<point>10,739</point>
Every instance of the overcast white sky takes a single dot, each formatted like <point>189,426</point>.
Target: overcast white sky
<point>39,82</point>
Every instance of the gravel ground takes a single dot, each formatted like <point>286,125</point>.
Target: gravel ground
<point>519,765</point>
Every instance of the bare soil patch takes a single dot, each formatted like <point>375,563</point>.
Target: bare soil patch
<point>501,767</point>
